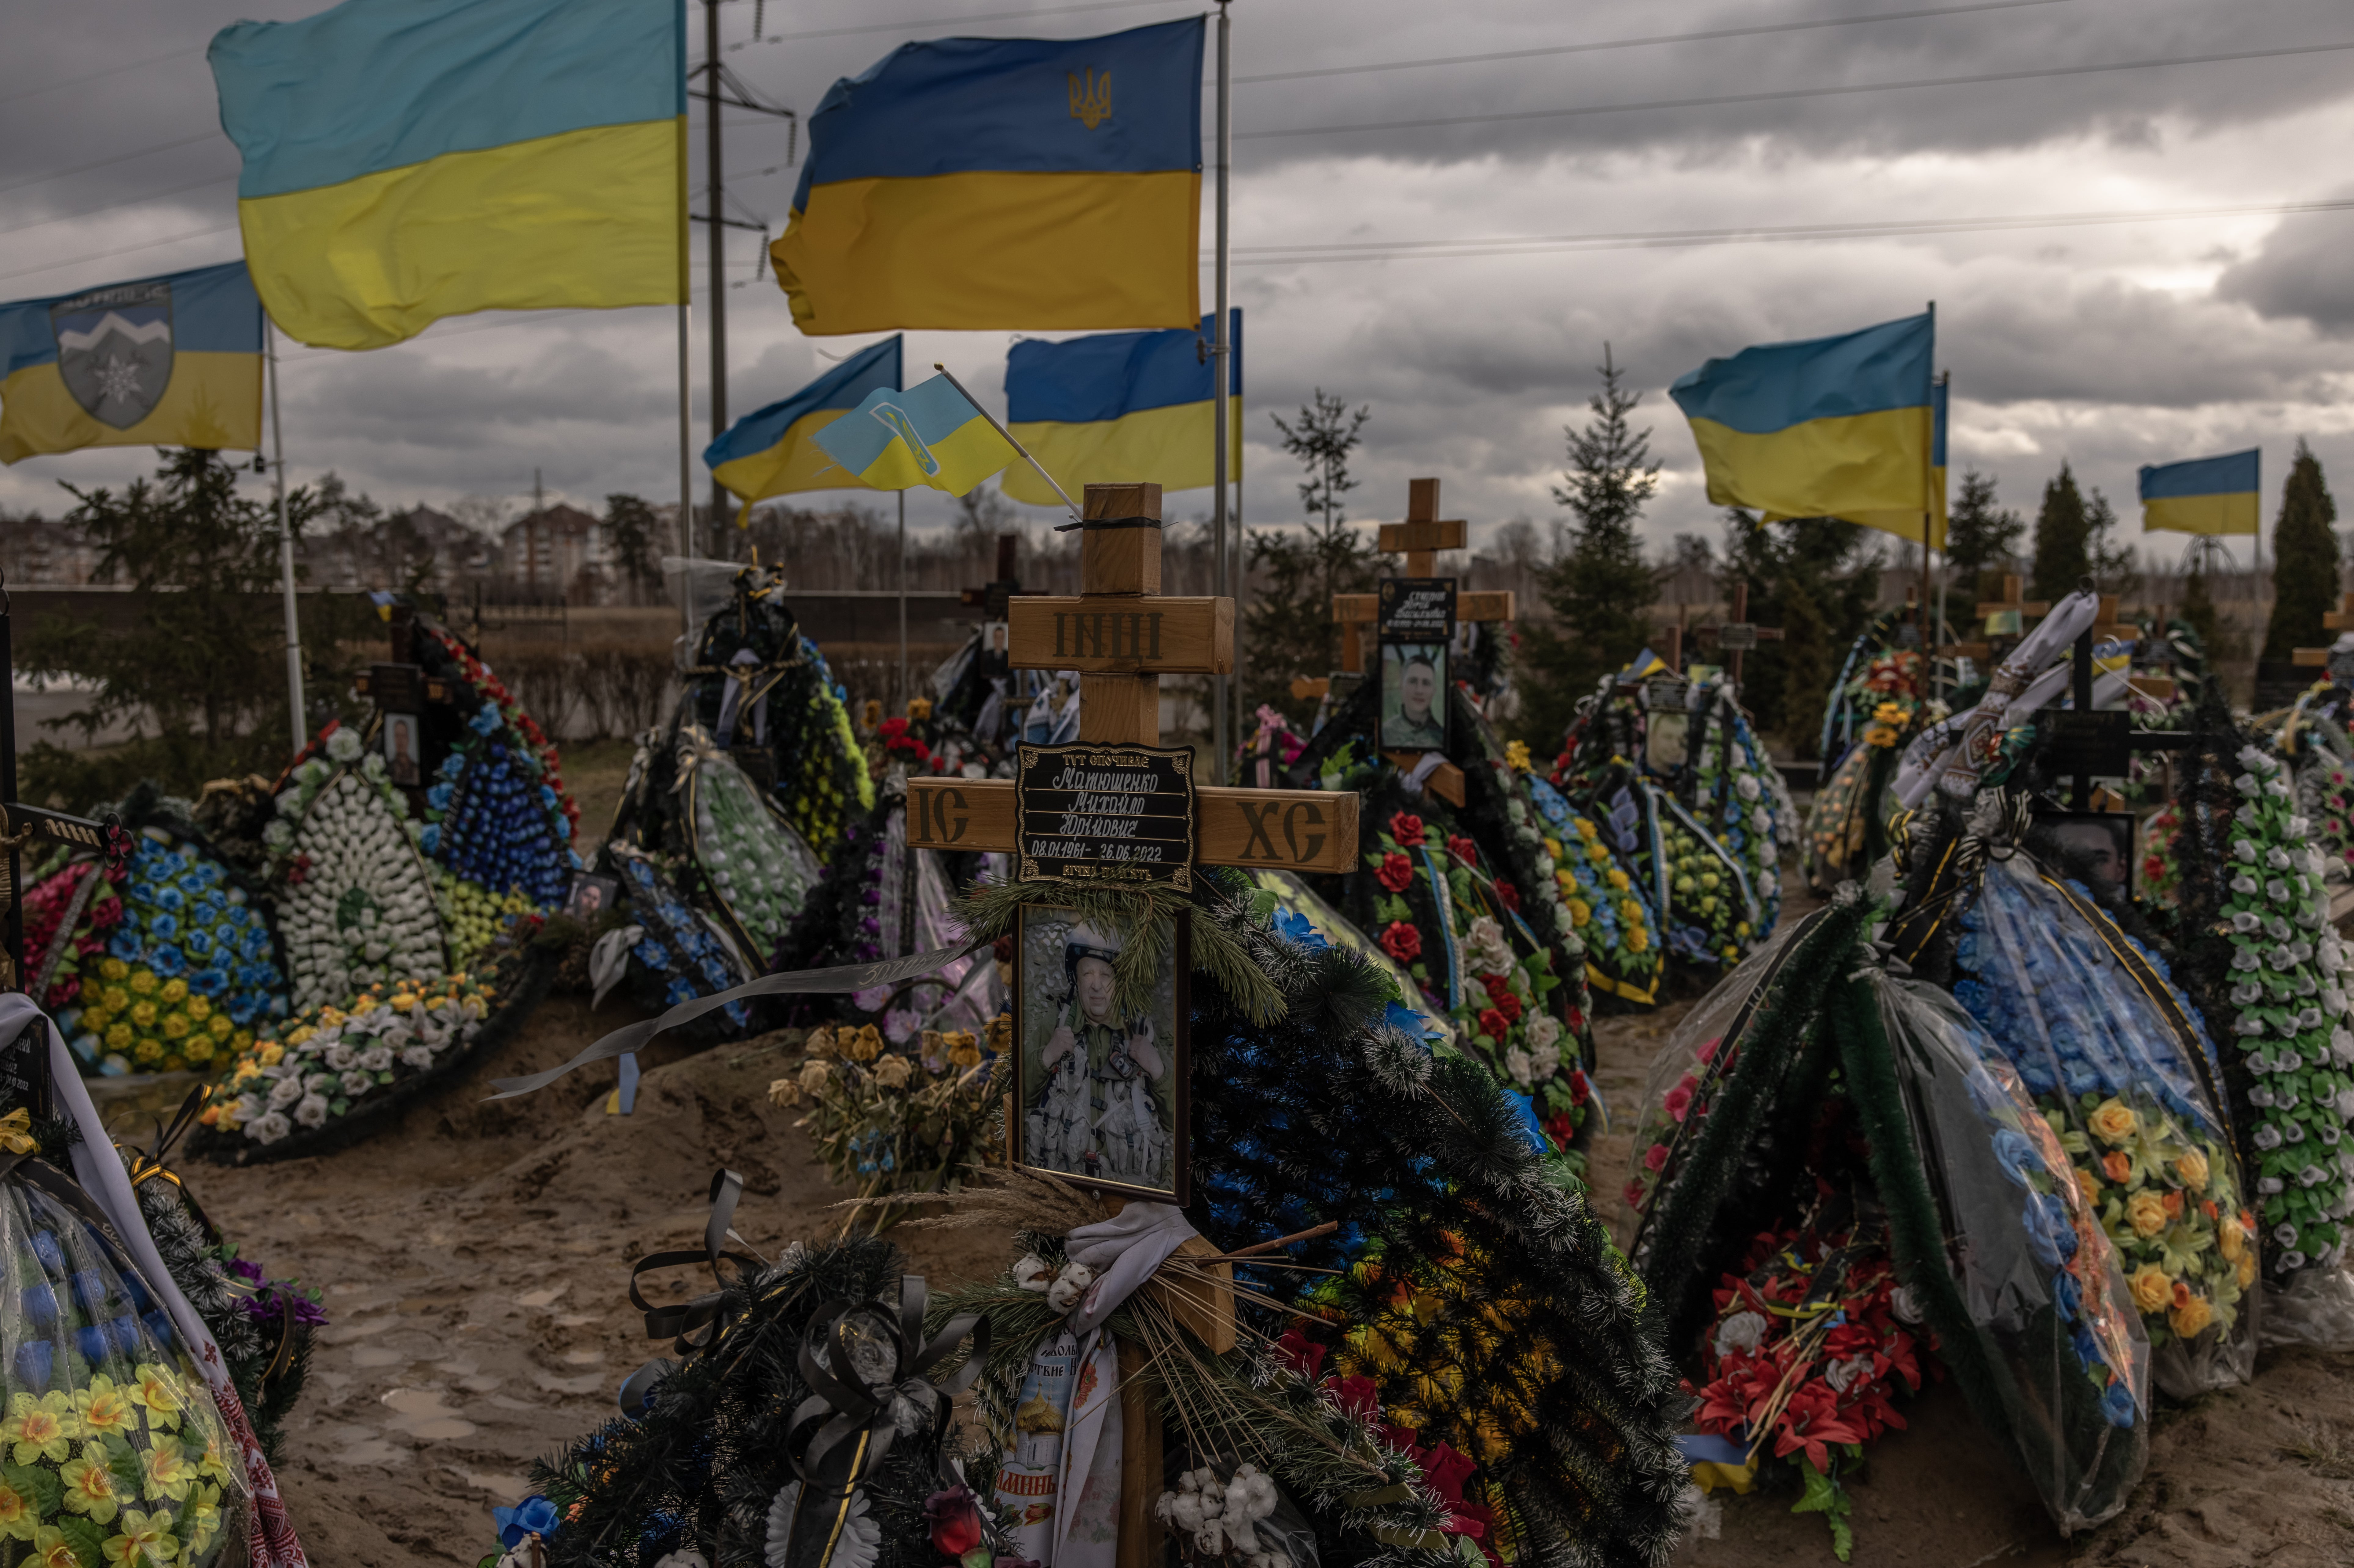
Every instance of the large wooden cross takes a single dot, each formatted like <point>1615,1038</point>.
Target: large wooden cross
<point>1419,538</point>
<point>1122,636</point>
<point>2338,620</point>
<point>1738,633</point>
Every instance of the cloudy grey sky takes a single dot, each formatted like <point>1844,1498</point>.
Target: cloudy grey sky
<point>1440,211</point>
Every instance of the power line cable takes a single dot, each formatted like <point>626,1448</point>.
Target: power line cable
<point>949,21</point>
<point>1759,30</point>
<point>1789,94</point>
<point>119,250</point>
<point>1667,239</point>
<point>109,70</point>
<point>119,158</point>
<point>127,201</point>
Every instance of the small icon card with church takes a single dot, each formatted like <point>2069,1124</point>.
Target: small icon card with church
<point>1099,1088</point>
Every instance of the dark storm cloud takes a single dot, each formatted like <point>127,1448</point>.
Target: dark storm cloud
<point>2305,272</point>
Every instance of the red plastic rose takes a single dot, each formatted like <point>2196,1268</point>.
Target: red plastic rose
<point>1357,1397</point>
<point>1299,1353</point>
<point>1406,827</point>
<point>1402,941</point>
<point>1509,1006</point>
<point>954,1515</point>
<point>1656,1157</point>
<point>1395,872</point>
<point>1580,1091</point>
<point>1492,1023</point>
<point>1508,895</point>
<point>1463,849</point>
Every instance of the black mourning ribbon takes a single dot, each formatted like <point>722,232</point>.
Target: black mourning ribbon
<point>854,1427</point>
<point>847,978</point>
<point>1108,523</point>
<point>682,1323</point>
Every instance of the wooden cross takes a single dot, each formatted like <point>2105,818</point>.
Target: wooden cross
<point>1419,538</point>
<point>1984,653</point>
<point>1122,637</point>
<point>1737,632</point>
<point>2338,620</point>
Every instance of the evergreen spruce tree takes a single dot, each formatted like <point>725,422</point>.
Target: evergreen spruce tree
<point>2107,556</point>
<point>2305,561</point>
<point>2062,535</point>
<point>2199,611</point>
<point>1980,535</point>
<point>1599,586</point>
<point>1287,624</point>
<point>1816,579</point>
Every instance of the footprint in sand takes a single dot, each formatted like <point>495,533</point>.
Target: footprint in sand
<point>420,1413</point>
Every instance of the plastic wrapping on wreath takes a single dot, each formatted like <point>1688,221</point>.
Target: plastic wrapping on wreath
<point>2314,1308</point>
<point>2060,1346</point>
<point>111,1450</point>
<point>1686,1075</point>
<point>2120,1068</point>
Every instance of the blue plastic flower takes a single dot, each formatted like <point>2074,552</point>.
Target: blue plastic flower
<point>36,1359</point>
<point>2067,1296</point>
<point>1298,930</point>
<point>2117,1403</point>
<point>163,928</point>
<point>681,989</point>
<point>437,798</point>
<point>483,723</point>
<point>2050,1236</point>
<point>430,839</point>
<point>1527,1111</point>
<point>167,960</point>
<point>166,897</point>
<point>452,765</point>
<point>199,941</point>
<point>650,953</point>
<point>2016,1155</point>
<point>212,980</point>
<point>533,1515</point>
<point>125,945</point>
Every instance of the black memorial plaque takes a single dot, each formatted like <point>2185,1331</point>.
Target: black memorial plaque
<point>1417,610</point>
<point>25,1071</point>
<point>2088,744</point>
<point>1105,815</point>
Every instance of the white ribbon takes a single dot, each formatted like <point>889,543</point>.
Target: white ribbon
<point>609,960</point>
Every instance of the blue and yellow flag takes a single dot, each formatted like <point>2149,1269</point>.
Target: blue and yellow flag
<point>1904,524</point>
<point>1833,427</point>
<point>930,435</point>
<point>407,160</point>
<point>992,182</point>
<point>1120,407</point>
<point>2206,495</point>
<point>170,361</point>
<point>773,453</point>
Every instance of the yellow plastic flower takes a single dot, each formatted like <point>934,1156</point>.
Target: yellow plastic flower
<point>112,968</point>
<point>51,1550</point>
<point>2090,1185</point>
<point>105,1409</point>
<point>199,1048</point>
<point>1579,912</point>
<point>42,1427</point>
<point>820,1045</point>
<point>2244,1269</point>
<point>220,1026</point>
<point>891,1072</point>
<point>1888,713</point>
<point>117,998</point>
<point>242,1039</point>
<point>1595,853</point>
<point>2152,1290</point>
<point>865,1045</point>
<point>117,1036</point>
<point>964,1048</point>
<point>149,1050</point>
<point>270,1053</point>
<point>169,1472</point>
<point>329,1017</point>
<point>2191,1168</point>
<point>1553,848</point>
<point>2114,1121</point>
<point>143,984</point>
<point>90,1485</point>
<point>199,1522</point>
<point>1616,879</point>
<point>147,1541</point>
<point>1516,756</point>
<point>19,1514</point>
<point>1631,912</point>
<point>200,1008</point>
<point>2145,1213</point>
<point>2190,1317</point>
<point>298,1036</point>
<point>211,1465</point>
<point>2232,1238</point>
<point>142,1013</point>
<point>1881,736</point>
<point>176,1026</point>
<point>157,1390</point>
<point>175,991</point>
<point>246,1073</point>
<point>1638,940</point>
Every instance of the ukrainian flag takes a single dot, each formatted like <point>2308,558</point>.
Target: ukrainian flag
<point>930,435</point>
<point>1833,427</point>
<point>1118,406</point>
<point>772,452</point>
<point>2205,495</point>
<point>169,361</point>
<point>407,160</point>
<point>1906,524</point>
<point>993,183</point>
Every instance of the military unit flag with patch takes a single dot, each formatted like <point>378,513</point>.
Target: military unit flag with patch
<point>169,361</point>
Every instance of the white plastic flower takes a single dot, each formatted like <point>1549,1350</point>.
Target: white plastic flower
<point>268,1129</point>
<point>1544,1060</point>
<point>1742,1333</point>
<point>284,1093</point>
<point>311,1111</point>
<point>1516,1063</point>
<point>344,745</point>
<point>355,1084</point>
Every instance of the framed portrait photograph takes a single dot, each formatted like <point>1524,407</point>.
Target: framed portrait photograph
<point>590,895</point>
<point>403,756</point>
<point>1414,696</point>
<point>1099,1090</point>
<point>2097,846</point>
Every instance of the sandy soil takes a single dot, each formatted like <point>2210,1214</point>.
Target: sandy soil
<point>476,1263</point>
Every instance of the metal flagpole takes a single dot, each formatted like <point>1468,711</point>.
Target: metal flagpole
<point>717,327</point>
<point>285,550</point>
<point>1928,502</point>
<point>1220,358</point>
<point>686,329</point>
<point>905,691</point>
